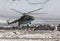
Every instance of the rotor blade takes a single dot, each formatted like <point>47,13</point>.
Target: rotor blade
<point>13,0</point>
<point>38,2</point>
<point>34,10</point>
<point>17,11</point>
<point>36,13</point>
<point>47,18</point>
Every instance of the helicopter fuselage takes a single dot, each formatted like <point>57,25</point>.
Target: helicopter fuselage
<point>25,19</point>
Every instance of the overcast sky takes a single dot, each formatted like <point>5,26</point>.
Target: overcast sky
<point>51,8</point>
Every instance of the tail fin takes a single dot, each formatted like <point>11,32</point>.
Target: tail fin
<point>7,22</point>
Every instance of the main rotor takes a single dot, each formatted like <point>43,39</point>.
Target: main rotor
<point>30,12</point>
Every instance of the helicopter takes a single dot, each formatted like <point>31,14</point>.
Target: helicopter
<point>25,19</point>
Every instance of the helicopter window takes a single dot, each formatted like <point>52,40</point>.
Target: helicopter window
<point>29,18</point>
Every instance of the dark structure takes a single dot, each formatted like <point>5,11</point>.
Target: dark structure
<point>25,19</point>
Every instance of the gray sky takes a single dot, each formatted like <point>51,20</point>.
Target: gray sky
<point>52,8</point>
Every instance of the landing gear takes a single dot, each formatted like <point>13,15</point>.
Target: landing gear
<point>30,23</point>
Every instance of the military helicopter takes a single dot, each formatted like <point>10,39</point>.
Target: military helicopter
<point>25,19</point>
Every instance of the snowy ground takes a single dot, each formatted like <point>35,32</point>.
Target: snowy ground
<point>20,35</point>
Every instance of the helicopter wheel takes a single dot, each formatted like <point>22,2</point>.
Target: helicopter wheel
<point>29,23</point>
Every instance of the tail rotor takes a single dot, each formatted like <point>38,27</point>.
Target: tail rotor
<point>8,21</point>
